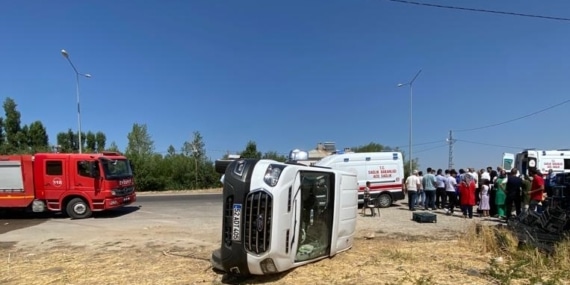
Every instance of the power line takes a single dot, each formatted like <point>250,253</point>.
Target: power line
<point>481,10</point>
<point>489,144</point>
<point>418,144</point>
<point>515,119</point>
<point>431,148</point>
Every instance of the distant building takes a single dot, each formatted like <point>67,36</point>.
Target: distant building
<point>322,150</point>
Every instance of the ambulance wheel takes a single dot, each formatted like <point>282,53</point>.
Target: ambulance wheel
<point>77,208</point>
<point>385,200</point>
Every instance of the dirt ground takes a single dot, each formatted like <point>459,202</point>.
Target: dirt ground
<point>390,249</point>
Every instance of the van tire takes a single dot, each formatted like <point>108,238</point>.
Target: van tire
<point>384,200</point>
<point>77,208</point>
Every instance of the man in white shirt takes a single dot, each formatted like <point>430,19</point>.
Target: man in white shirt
<point>450,184</point>
<point>485,176</point>
<point>413,183</point>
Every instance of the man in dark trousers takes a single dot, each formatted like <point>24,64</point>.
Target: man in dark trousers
<point>514,193</point>
<point>493,191</point>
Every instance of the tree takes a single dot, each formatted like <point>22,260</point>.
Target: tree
<point>147,164</point>
<point>251,151</point>
<point>12,124</point>
<point>100,139</point>
<point>38,139</point>
<point>370,147</point>
<point>23,140</point>
<point>113,147</point>
<point>3,145</point>
<point>140,142</point>
<point>171,151</point>
<point>90,142</point>
<point>198,146</point>
<point>275,156</point>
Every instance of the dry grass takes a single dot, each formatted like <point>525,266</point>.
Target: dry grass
<point>469,259</point>
<point>511,264</point>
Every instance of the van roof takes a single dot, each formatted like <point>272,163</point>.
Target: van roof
<point>390,155</point>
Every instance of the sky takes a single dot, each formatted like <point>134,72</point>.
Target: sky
<point>290,74</point>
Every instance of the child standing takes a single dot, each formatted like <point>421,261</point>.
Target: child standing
<point>484,204</point>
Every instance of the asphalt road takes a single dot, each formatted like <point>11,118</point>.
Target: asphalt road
<point>194,208</point>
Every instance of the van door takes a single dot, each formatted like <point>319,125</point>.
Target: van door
<point>55,181</point>
<point>316,215</point>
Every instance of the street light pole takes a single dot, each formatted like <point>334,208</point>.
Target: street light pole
<point>411,84</point>
<point>77,74</point>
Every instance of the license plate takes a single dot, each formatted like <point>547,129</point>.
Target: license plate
<point>126,199</point>
<point>236,222</point>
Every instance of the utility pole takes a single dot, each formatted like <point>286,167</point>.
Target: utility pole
<point>450,141</point>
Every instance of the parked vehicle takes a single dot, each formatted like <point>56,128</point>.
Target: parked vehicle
<point>543,160</point>
<point>278,216</point>
<point>76,184</point>
<point>384,170</point>
<point>508,161</point>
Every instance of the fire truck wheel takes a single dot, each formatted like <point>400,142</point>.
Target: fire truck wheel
<point>77,208</point>
<point>385,200</point>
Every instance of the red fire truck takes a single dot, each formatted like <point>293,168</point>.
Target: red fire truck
<point>76,184</point>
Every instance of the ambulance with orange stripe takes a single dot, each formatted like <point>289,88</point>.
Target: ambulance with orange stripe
<point>384,170</point>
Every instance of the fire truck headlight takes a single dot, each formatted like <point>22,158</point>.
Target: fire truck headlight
<point>267,266</point>
<point>272,174</point>
<point>113,193</point>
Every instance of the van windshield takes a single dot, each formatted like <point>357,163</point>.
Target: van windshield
<point>116,168</point>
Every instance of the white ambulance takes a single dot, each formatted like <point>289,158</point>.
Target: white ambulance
<point>384,170</point>
<point>543,160</point>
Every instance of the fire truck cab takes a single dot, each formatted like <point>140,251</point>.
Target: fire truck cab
<point>76,184</point>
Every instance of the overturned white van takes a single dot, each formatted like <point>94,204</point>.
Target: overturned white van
<point>277,216</point>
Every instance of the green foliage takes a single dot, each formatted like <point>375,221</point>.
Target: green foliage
<point>189,168</point>
<point>275,156</point>
<point>15,138</point>
<point>251,151</point>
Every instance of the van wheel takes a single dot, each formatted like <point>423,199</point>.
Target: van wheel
<point>77,208</point>
<point>384,200</point>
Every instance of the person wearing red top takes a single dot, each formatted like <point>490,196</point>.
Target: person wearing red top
<point>536,190</point>
<point>467,195</point>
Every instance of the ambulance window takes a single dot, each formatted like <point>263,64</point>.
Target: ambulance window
<point>54,168</point>
<point>567,163</point>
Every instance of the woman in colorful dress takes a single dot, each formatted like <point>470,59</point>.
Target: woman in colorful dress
<point>501,195</point>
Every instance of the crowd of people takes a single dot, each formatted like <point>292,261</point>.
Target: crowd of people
<point>496,193</point>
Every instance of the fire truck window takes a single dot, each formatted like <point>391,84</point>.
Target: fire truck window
<point>54,168</point>
<point>83,169</point>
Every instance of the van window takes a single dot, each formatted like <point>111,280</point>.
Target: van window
<point>54,167</point>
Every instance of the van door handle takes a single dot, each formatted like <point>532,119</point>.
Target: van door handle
<point>78,184</point>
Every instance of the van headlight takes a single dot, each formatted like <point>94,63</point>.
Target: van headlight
<point>272,174</point>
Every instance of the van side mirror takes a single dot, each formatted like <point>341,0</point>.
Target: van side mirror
<point>94,169</point>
